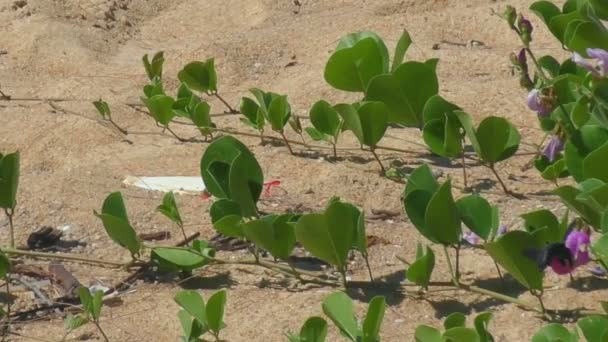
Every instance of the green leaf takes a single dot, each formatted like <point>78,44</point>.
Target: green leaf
<point>424,333</point>
<point>421,179</point>
<point>460,334</point>
<point>252,113</point>
<point>443,136</point>
<point>96,304</point>
<point>588,35</point>
<point>229,170</point>
<point>416,204</point>
<point>351,119</point>
<point>554,333</point>
<point>580,112</point>
<point>116,223</point>
<point>154,88</point>
<point>594,164</point>
<point>436,108</point>
<point>214,312</point>
<point>594,327</point>
<point>600,250</point>
<point>481,326</point>
<point>545,10</point>
<point>373,116</point>
<point>339,308</point>
<point>441,218</point>
<point>544,225</point>
<point>510,252</point>
<point>373,319</point>
<point>73,322</point>
<point>191,328</point>
<point>91,303</point>
<point>179,258</point>
<point>454,320</point>
<point>313,330</point>
<point>316,135</point>
<point>550,64</point>
<point>497,137</point>
<point>420,270</point>
<point>402,45</point>
<point>9,180</point>
<point>358,58</point>
<point>277,237</point>
<point>193,303</point>
<point>200,116</point>
<point>568,195</point>
<point>477,214</point>
<point>600,7</point>
<point>5,265</point>
<point>199,76</point>
<point>161,108</point>
<point>405,92</point>
<point>169,208</point>
<point>154,68</point>
<point>279,113</point>
<point>325,119</point>
<point>103,109</point>
<point>467,124</point>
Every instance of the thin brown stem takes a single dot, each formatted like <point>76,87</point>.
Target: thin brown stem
<point>180,138</point>
<point>502,279</point>
<point>335,151</point>
<point>120,129</point>
<point>457,274</point>
<point>100,330</point>
<point>9,213</point>
<point>464,168</point>
<point>60,256</point>
<point>372,150</point>
<point>286,141</point>
<point>230,109</point>
<point>181,227</point>
<point>504,187</point>
<point>369,268</point>
<point>8,301</point>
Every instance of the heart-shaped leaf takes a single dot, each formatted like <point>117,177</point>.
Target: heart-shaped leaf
<point>544,225</point>
<point>594,328</point>
<point>421,179</point>
<point>442,220</point>
<point>179,258</point>
<point>420,270</point>
<point>425,333</point>
<point>325,118</point>
<point>498,139</point>
<point>357,59</point>
<point>477,214</point>
<point>594,164</point>
<point>214,311</point>
<point>169,208</point>
<point>554,333</point>
<point>279,113</point>
<point>253,114</point>
<point>313,330</point>
<point>116,222</point>
<point>405,92</point>
<point>161,108</point>
<point>199,76</point>
<point>339,308</point>
<point>201,118</point>
<point>511,250</point>
<point>443,136</point>
<point>193,303</point>
<point>373,117</point>
<point>454,320</point>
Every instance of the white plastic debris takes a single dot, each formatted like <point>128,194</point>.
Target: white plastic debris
<point>183,185</point>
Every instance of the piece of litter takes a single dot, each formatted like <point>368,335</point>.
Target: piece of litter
<point>178,184</point>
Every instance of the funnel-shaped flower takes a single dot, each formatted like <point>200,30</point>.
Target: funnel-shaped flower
<point>578,243</point>
<point>599,71</point>
<point>538,104</point>
<point>553,148</point>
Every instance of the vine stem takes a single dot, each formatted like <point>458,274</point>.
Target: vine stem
<point>502,279</point>
<point>9,213</point>
<point>457,263</point>
<point>100,330</point>
<point>60,256</point>
<point>539,295</point>
<point>120,129</point>
<point>286,141</point>
<point>369,269</point>
<point>464,168</point>
<point>502,184</point>
<point>230,109</point>
<point>447,257</point>
<point>372,150</point>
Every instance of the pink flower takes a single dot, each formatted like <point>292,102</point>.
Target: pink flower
<point>578,242</point>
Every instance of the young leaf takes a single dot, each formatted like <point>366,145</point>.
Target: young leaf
<point>458,334</point>
<point>9,180</point>
<point>96,303</point>
<point>191,328</point>
<point>154,88</point>
<point>373,319</point>
<point>421,179</point>
<point>594,328</point>
<point>498,139</point>
<point>313,330</point>
<point>215,311</point>
<point>481,325</point>
<point>73,322</point>
<point>201,118</point>
<point>467,123</point>
<point>199,76</point>
<point>103,108</point>
<point>180,258</point>
<point>193,303</point>
<point>339,308</point>
<point>279,113</point>
<point>326,241</point>
<point>161,108</point>
<point>154,68</point>
<point>402,45</point>
<point>593,164</point>
<point>442,220</point>
<point>277,237</point>
<point>116,222</point>
<point>169,208</point>
<point>511,250</point>
<point>554,333</point>
<point>325,119</point>
<point>546,223</point>
<point>420,270</point>
<point>87,301</point>
<point>374,122</point>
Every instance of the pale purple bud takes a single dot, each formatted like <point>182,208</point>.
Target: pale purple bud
<point>471,238</point>
<point>553,148</point>
<point>537,104</point>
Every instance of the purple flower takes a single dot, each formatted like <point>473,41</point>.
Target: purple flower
<point>553,148</point>
<point>471,238</point>
<point>502,230</point>
<point>537,104</point>
<point>578,243</point>
<point>602,62</point>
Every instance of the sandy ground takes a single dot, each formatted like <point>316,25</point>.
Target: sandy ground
<point>85,49</point>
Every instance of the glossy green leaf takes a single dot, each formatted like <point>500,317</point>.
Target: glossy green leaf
<point>405,92</point>
<point>546,10</point>
<point>373,319</point>
<point>9,180</point>
<point>420,270</point>
<point>443,136</point>
<point>73,322</point>
<point>594,164</point>
<point>325,119</point>
<point>161,108</point>
<point>374,122</point>
<point>200,116</point>
<point>476,213</point>
<point>442,220</point>
<point>424,333</point>
<point>191,328</point>
<point>252,112</point>
<point>481,326</point>
<point>5,265</point>
<point>436,107</point>
<point>315,135</point>
<point>416,204</point>
<point>214,311</point>
<point>313,330</point>
<point>546,224</point>
<point>155,87</point>
<point>154,68</point>
<point>116,223</point>
<point>600,7</point>
<point>593,327</point>
<point>402,45</point>
<point>467,123</point>
<point>179,258</point>
<point>279,113</point>
<point>193,303</point>
<point>199,76</point>
<point>510,252</point>
<point>588,35</point>
<point>358,58</point>
<point>421,179</point>
<point>454,320</point>
<point>169,208</point>
<point>277,237</point>
<point>497,138</point>
<point>460,334</point>
<point>339,308</point>
<point>330,243</point>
